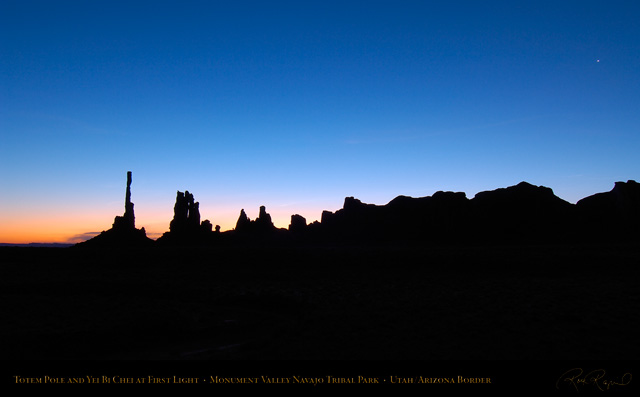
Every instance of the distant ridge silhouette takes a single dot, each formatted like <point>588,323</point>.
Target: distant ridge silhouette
<point>523,213</point>
<point>614,214</point>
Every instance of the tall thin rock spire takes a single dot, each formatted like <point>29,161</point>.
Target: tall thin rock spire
<point>128,220</point>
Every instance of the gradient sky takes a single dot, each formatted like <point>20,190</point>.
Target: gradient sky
<point>296,105</point>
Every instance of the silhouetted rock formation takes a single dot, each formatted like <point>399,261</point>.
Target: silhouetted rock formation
<point>207,226</point>
<point>261,225</point>
<point>186,213</point>
<point>244,223</point>
<point>442,217</point>
<point>123,231</point>
<point>403,219</point>
<point>128,220</point>
<point>298,224</point>
<point>612,215</point>
<point>185,228</point>
<point>523,213</point>
<point>355,222</point>
<point>261,229</point>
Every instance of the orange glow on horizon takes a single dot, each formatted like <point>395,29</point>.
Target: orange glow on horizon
<point>66,228</point>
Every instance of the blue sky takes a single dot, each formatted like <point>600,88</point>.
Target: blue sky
<point>296,105</point>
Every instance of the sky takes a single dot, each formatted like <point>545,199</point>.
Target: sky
<point>296,105</point>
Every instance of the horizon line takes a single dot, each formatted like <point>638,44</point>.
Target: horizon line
<point>70,242</point>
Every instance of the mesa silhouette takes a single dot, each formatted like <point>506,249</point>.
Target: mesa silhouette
<point>523,213</point>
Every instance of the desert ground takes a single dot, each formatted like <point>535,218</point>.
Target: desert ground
<point>534,302</point>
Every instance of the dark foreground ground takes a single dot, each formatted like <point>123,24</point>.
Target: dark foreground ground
<point>438,303</point>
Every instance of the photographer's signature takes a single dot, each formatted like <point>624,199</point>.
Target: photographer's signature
<point>598,378</point>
